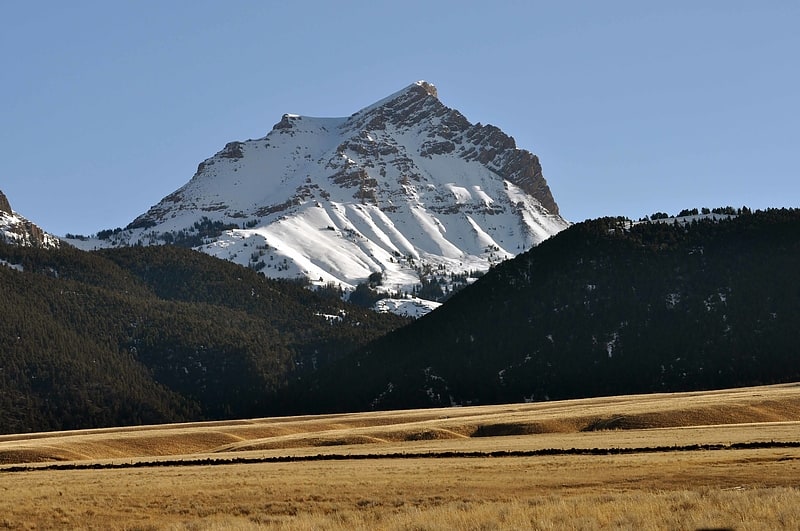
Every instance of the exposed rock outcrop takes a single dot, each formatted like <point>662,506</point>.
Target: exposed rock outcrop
<point>5,206</point>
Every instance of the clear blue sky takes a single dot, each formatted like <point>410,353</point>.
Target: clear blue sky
<point>633,107</point>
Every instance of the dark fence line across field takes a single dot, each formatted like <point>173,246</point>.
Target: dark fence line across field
<point>407,455</point>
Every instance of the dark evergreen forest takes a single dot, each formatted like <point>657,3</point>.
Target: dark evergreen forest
<point>156,334</point>
<point>605,307</point>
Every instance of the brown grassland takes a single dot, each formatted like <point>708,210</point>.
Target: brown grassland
<point>717,459</point>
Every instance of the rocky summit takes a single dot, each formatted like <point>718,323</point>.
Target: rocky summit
<point>403,192</point>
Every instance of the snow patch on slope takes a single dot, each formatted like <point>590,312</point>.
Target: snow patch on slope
<point>414,307</point>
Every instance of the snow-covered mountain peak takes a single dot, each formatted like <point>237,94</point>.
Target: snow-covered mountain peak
<point>406,188</point>
<point>16,229</point>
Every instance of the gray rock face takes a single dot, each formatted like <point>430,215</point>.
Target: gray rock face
<point>454,133</point>
<point>5,206</point>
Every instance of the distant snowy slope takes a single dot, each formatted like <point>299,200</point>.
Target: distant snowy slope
<point>406,187</point>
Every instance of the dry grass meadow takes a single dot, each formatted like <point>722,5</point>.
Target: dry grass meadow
<point>720,459</point>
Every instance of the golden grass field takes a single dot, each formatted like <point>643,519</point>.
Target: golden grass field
<point>717,459</point>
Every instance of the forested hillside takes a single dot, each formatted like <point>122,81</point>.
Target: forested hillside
<point>159,334</point>
<point>605,307</point>
<point>148,335</point>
